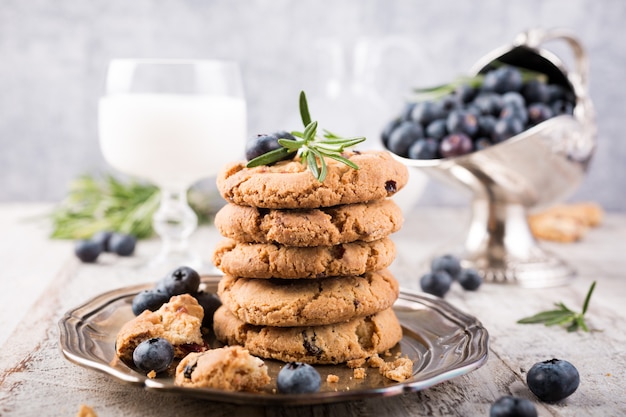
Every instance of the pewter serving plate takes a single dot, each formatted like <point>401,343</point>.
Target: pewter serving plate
<point>442,342</point>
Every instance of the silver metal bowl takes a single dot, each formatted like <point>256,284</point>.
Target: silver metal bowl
<point>534,169</point>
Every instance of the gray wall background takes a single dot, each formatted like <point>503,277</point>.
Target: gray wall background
<point>54,53</point>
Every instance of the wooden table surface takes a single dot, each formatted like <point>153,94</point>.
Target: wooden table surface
<point>42,280</point>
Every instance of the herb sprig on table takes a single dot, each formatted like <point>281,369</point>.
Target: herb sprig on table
<point>563,316</point>
<point>95,204</point>
<point>310,148</point>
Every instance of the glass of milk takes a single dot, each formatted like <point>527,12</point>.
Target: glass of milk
<point>173,123</point>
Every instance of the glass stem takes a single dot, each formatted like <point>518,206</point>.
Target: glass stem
<point>174,222</point>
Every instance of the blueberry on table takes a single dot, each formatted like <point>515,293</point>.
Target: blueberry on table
<point>122,244</point>
<point>449,263</point>
<point>182,280</point>
<point>155,354</point>
<point>436,283</point>
<point>553,380</point>
<point>87,250</point>
<point>508,406</point>
<point>298,378</point>
<point>149,300</point>
<point>470,279</point>
<point>103,238</point>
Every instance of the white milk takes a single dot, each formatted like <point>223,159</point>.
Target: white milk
<point>171,140</point>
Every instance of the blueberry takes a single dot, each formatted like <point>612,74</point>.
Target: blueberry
<point>553,380</point>
<point>507,128</point>
<point>155,354</point>
<point>389,127</point>
<point>210,303</point>
<point>508,406</point>
<point>502,80</point>
<point>103,237</point>
<point>513,99</point>
<point>455,144</point>
<point>437,129</point>
<point>470,279</point>
<point>539,112</point>
<point>424,149</point>
<point>87,250</point>
<point>262,144</point>
<point>488,103</point>
<point>482,143</point>
<point>298,378</point>
<point>425,112</point>
<point>122,244</point>
<point>462,121</point>
<point>403,136</point>
<point>436,283</point>
<point>486,125</point>
<point>182,280</point>
<point>465,93</point>
<point>449,263</point>
<point>535,91</point>
<point>509,111</point>
<point>149,300</point>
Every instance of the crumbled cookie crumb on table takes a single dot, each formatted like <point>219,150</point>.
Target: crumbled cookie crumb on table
<point>86,411</point>
<point>399,370</point>
<point>359,373</point>
<point>332,379</point>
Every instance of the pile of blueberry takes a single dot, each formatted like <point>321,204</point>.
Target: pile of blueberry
<point>551,381</point>
<point>474,118</point>
<point>182,280</point>
<point>446,269</point>
<point>88,250</point>
<point>157,354</point>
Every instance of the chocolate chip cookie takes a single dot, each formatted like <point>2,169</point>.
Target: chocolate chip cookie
<point>230,368</point>
<point>289,184</point>
<point>266,260</point>
<point>272,302</point>
<point>310,227</point>
<point>329,344</point>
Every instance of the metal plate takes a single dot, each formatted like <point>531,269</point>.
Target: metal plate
<point>442,342</point>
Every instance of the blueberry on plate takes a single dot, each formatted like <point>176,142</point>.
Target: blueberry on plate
<point>155,354</point>
<point>87,250</point>
<point>182,280</point>
<point>553,380</point>
<point>508,406</point>
<point>436,283</point>
<point>449,263</point>
<point>148,300</point>
<point>122,244</point>
<point>210,303</point>
<point>470,279</point>
<point>298,378</point>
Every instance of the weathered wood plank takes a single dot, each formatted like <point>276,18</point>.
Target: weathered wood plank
<point>36,380</point>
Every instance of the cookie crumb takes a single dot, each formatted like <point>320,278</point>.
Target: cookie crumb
<point>332,379</point>
<point>86,411</point>
<point>359,373</point>
<point>387,353</point>
<point>399,370</point>
<point>152,374</point>
<point>375,361</point>
<point>356,363</point>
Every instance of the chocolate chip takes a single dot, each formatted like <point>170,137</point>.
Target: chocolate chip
<point>391,186</point>
<point>189,370</point>
<point>338,251</point>
<point>310,346</point>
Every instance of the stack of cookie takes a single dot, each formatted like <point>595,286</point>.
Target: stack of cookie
<point>305,262</point>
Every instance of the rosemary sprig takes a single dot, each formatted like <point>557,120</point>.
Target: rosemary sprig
<point>563,316</point>
<point>439,91</point>
<point>94,204</point>
<point>309,147</point>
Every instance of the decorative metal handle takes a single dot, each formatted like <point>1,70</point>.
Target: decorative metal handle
<point>533,38</point>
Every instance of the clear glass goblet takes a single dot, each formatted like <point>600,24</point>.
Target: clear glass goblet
<point>172,123</point>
